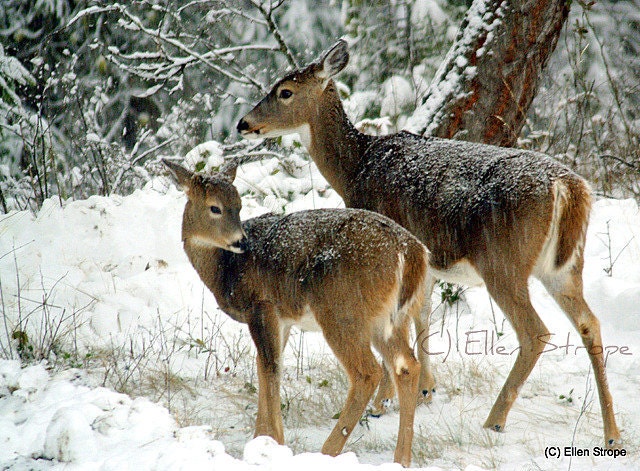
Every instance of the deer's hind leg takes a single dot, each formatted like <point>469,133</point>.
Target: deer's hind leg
<point>354,353</point>
<point>421,322</point>
<point>385,393</point>
<point>566,288</point>
<point>426,384</point>
<point>364,375</point>
<point>401,363</point>
<point>513,299</point>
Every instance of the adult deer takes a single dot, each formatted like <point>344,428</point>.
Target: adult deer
<point>354,274</point>
<point>487,214</point>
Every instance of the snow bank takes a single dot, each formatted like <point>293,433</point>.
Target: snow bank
<point>58,423</point>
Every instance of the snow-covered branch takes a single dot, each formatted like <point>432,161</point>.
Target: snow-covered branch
<point>267,12</point>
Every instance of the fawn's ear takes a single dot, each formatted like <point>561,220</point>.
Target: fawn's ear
<point>180,175</point>
<point>228,170</point>
<point>333,61</point>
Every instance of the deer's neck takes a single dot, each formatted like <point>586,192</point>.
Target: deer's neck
<point>335,145</point>
<point>220,271</point>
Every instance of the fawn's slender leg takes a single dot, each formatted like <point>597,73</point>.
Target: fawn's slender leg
<point>385,392</point>
<point>427,382</point>
<point>566,288</point>
<point>513,299</point>
<point>355,355</point>
<point>265,332</point>
<point>400,360</point>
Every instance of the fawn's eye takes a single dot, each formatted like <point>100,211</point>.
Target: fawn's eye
<point>215,210</point>
<point>286,93</point>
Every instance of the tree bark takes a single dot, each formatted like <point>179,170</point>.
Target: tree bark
<point>486,83</point>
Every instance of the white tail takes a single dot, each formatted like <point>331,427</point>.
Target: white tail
<point>486,214</point>
<point>356,275</point>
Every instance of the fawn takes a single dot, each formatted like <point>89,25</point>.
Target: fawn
<point>353,274</point>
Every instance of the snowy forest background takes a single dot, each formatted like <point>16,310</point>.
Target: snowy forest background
<point>96,292</point>
<point>93,92</point>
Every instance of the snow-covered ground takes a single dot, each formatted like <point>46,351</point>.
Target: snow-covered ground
<point>104,286</point>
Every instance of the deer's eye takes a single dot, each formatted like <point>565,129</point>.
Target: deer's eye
<point>215,210</point>
<point>285,93</point>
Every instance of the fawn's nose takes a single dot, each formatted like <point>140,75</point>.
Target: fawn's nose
<point>244,244</point>
<point>240,246</point>
<point>242,125</point>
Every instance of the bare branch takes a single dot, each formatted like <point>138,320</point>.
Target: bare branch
<point>204,58</point>
<point>268,15</point>
<point>137,159</point>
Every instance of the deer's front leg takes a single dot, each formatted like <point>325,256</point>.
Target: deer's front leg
<point>265,332</point>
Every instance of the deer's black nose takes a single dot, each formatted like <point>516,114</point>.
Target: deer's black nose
<point>242,125</point>
<point>241,245</point>
<point>244,244</point>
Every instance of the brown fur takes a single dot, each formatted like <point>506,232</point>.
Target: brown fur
<point>485,213</point>
<point>357,273</point>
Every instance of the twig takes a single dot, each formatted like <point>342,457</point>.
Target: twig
<point>622,161</point>
<point>15,249</point>
<point>586,402</point>
<point>607,68</point>
<point>607,243</point>
<point>186,49</point>
<point>268,15</point>
<point>5,317</point>
<point>3,202</point>
<point>133,162</point>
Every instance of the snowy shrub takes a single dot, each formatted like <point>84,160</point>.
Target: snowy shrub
<point>586,111</point>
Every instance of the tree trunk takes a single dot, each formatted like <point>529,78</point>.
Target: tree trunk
<point>486,83</point>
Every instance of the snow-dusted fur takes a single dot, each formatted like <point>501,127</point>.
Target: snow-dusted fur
<point>355,274</point>
<point>485,213</point>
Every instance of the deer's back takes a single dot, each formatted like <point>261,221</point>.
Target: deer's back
<point>343,257</point>
<point>309,246</point>
<point>452,194</point>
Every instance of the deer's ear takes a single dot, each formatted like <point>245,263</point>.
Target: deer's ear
<point>228,170</point>
<point>180,175</point>
<point>333,61</point>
